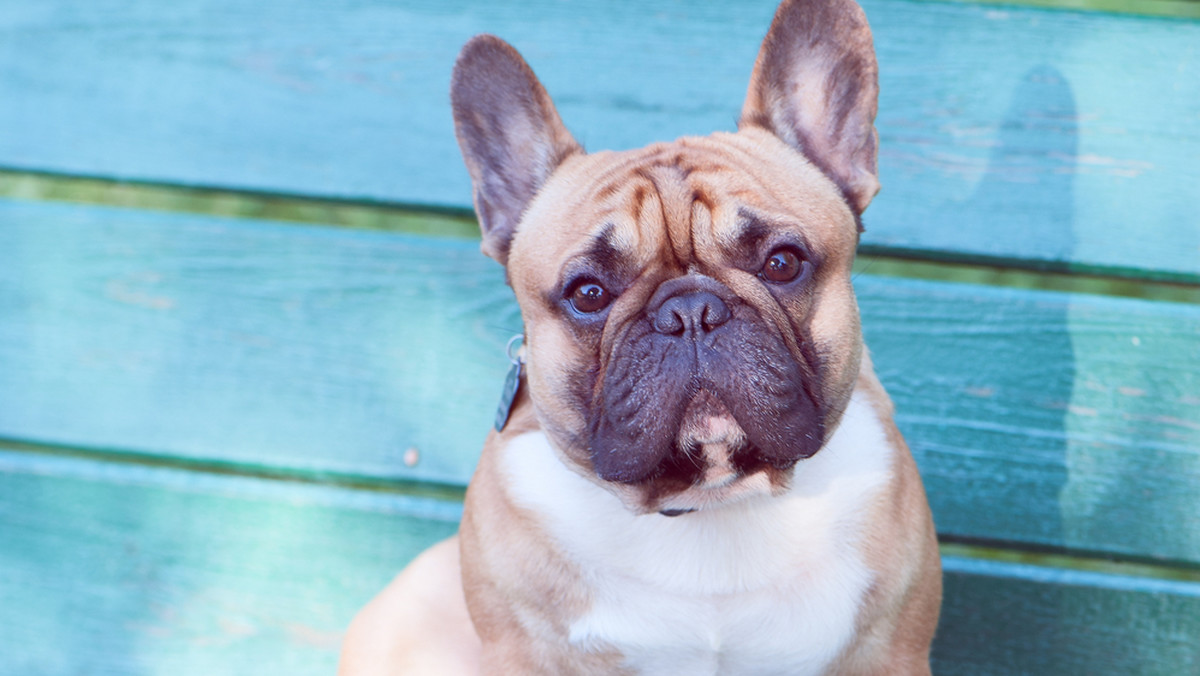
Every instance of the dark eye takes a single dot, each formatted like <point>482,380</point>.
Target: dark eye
<point>783,265</point>
<point>588,297</point>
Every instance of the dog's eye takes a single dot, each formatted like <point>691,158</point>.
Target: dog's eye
<point>589,297</point>
<point>783,265</point>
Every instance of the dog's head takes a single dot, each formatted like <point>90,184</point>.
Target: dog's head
<point>691,329</point>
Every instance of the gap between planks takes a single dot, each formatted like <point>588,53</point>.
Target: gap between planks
<point>431,221</point>
<point>1175,9</point>
<point>444,501</point>
<point>222,468</point>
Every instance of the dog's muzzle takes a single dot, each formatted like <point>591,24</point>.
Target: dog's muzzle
<point>697,350</point>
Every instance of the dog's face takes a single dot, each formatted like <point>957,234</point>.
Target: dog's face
<point>690,323</point>
<point>691,329</point>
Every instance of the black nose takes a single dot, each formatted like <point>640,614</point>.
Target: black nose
<point>690,313</point>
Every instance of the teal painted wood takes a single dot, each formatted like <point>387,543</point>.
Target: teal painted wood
<point>120,570</point>
<point>263,344</point>
<point>1065,420</point>
<point>1049,137</point>
<point>1004,618</point>
<point>1061,420</point>
<point>116,569</point>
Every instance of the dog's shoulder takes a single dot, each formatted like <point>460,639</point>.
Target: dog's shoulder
<point>417,625</point>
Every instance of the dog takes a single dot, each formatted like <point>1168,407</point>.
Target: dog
<point>699,472</point>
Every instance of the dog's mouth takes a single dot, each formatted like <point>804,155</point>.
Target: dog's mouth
<point>703,414</point>
<point>701,400</point>
<point>712,463</point>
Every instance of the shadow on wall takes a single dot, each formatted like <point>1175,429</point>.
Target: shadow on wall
<point>1029,187</point>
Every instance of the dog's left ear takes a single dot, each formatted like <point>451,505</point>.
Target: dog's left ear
<point>815,85</point>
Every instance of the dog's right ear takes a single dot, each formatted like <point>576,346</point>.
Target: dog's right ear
<point>815,86</point>
<point>511,136</point>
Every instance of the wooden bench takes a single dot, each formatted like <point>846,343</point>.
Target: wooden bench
<point>221,434</point>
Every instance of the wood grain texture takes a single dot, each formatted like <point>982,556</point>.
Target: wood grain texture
<point>265,344</point>
<point>1005,618</point>
<point>1059,419</point>
<point>115,569</point>
<point>1053,138</point>
<point>1055,419</point>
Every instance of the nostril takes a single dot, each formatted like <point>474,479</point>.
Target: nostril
<point>668,322</point>
<point>699,311</point>
<point>715,314</point>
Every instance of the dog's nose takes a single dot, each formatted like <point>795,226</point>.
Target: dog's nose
<point>695,312</point>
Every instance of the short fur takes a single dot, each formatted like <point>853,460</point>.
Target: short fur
<point>701,473</point>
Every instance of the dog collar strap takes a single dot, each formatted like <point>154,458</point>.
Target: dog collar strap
<point>512,383</point>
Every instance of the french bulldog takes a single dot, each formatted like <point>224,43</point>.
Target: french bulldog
<point>699,472</point>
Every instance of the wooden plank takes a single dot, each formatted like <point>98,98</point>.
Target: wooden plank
<point>116,569</point>
<point>1005,618</point>
<point>1054,138</point>
<point>1184,9</point>
<point>1063,420</point>
<point>122,570</point>
<point>264,344</point>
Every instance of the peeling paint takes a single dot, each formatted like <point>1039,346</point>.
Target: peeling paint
<point>314,638</point>
<point>122,292</point>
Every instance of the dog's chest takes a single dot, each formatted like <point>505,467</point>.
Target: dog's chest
<point>770,586</point>
<point>794,625</point>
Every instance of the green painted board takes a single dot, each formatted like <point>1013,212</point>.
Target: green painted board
<point>1063,420</point>
<point>1007,133</point>
<point>1006,618</point>
<point>262,344</point>
<point>111,569</point>
<point>114,569</point>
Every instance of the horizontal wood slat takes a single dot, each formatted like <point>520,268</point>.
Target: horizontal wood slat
<point>1005,618</point>
<point>312,348</point>
<point>1063,419</point>
<point>1054,138</point>
<point>1056,419</point>
<point>124,570</point>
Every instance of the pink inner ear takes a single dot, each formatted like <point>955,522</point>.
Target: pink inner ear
<point>815,86</point>
<point>510,135</point>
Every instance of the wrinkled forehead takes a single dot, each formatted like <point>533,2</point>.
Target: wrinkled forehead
<point>682,202</point>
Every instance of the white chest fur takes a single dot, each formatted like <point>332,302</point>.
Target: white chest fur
<point>767,586</point>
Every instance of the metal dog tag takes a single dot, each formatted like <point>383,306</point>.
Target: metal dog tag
<point>512,383</point>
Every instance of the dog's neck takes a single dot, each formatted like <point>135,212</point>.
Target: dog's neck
<point>825,497</point>
<point>790,549</point>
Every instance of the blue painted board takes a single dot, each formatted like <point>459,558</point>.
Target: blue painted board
<point>265,344</point>
<point>112,569</point>
<point>1061,420</point>
<point>1052,138</point>
<point>1011,618</point>
<point>1066,420</point>
<point>116,569</point>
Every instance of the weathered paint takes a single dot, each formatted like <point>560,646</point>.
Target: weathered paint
<point>313,348</point>
<point>1012,618</point>
<point>120,569</point>
<point>1040,420</point>
<point>1036,417</point>
<point>1006,133</point>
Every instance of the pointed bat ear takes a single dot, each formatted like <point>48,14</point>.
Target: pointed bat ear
<point>815,85</point>
<point>510,135</point>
